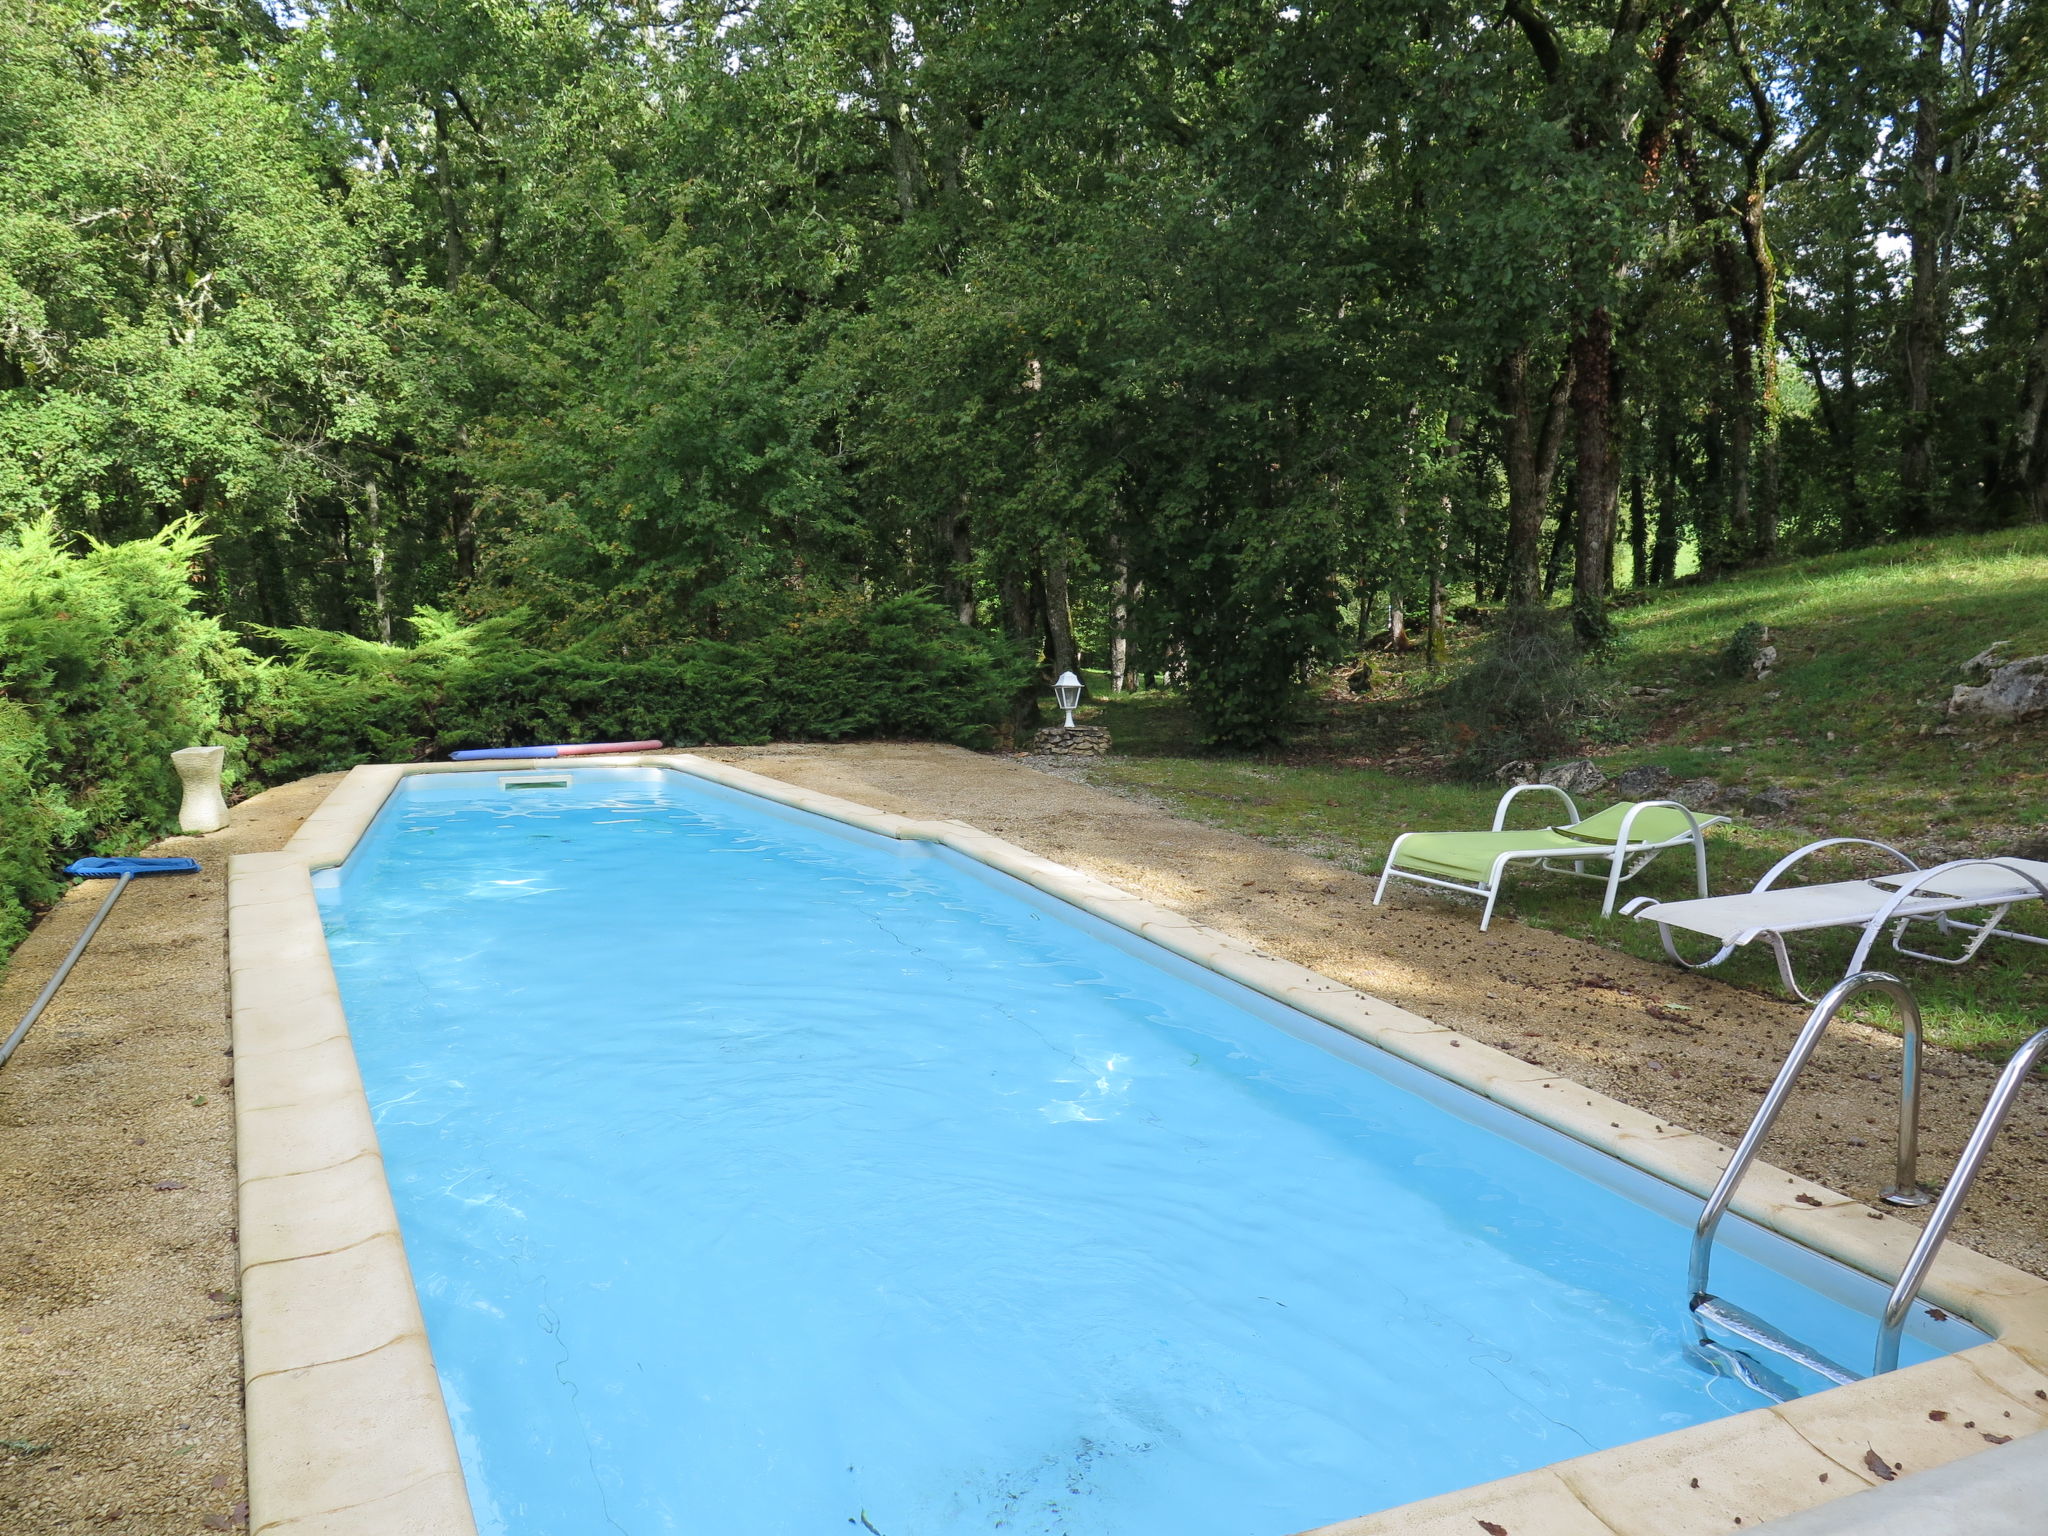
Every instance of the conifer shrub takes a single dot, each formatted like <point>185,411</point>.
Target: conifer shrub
<point>106,667</point>
<point>1526,695</point>
<point>898,667</point>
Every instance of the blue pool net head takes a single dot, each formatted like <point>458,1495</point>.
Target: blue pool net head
<point>108,869</point>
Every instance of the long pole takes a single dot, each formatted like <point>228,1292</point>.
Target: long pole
<point>43,998</point>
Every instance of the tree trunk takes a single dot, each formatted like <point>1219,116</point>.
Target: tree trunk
<point>380,591</point>
<point>2024,475</point>
<point>958,587</point>
<point>1397,621</point>
<point>1059,619</point>
<point>1763,383</point>
<point>1560,541</point>
<point>1119,622</point>
<point>894,110</point>
<point>1438,648</point>
<point>1664,555</point>
<point>1925,233</point>
<point>1020,623</point>
<point>1595,480</point>
<point>1440,544</point>
<point>1529,457</point>
<point>1638,532</point>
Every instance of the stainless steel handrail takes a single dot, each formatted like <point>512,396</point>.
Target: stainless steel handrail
<point>1906,1190</point>
<point>1989,1124</point>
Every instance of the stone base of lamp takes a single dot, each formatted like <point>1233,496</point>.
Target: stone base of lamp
<point>1071,741</point>
<point>199,770</point>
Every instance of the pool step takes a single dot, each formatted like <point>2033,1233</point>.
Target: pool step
<point>1714,1312</point>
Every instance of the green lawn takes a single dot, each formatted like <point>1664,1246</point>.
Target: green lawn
<point>1869,645</point>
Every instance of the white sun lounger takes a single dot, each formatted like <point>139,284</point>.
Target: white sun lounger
<point>1909,896</point>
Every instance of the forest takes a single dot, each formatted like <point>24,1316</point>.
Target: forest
<point>1206,339</point>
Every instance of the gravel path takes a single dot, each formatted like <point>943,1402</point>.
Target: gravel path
<point>120,1345</point>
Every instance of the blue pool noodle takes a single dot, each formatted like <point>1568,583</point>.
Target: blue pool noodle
<point>463,757</point>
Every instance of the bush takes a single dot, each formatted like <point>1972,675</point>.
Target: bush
<point>1738,657</point>
<point>105,669</point>
<point>1526,695</point>
<point>898,667</point>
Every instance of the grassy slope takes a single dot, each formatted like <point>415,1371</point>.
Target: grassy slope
<point>1869,644</point>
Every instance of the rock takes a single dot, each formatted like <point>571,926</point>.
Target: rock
<point>2016,691</point>
<point>1695,794</point>
<point>1577,778</point>
<point>1521,771</point>
<point>1647,782</point>
<point>1765,659</point>
<point>1768,802</point>
<point>1071,740</point>
<point>1985,662</point>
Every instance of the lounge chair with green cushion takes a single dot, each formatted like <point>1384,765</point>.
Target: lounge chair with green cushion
<point>1623,840</point>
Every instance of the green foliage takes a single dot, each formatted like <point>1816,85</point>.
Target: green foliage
<point>106,667</point>
<point>1526,695</point>
<point>661,336</point>
<point>900,667</point>
<point>1738,657</point>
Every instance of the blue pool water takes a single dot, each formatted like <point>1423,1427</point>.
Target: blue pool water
<point>764,1178</point>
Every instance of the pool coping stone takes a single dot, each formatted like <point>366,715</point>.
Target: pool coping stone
<point>348,1433</point>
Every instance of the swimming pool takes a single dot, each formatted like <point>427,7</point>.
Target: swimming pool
<point>761,1175</point>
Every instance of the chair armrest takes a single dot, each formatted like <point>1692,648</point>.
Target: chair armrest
<point>1691,820</point>
<point>1919,877</point>
<point>1797,854</point>
<point>1500,812</point>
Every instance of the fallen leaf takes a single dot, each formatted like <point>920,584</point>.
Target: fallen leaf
<point>1939,1415</point>
<point>1493,1530</point>
<point>1996,1439</point>
<point>1695,1482</point>
<point>1937,1314</point>
<point>1879,1466</point>
<point>1806,1199</point>
<point>169,1184</point>
<point>220,1480</point>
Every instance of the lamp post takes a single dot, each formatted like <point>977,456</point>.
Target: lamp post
<point>1067,692</point>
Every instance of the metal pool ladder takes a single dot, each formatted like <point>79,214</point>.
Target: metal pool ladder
<point>1707,1308</point>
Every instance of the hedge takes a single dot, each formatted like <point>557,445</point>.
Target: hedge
<point>108,664</point>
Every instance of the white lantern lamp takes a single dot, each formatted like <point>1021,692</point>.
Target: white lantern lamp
<point>1067,691</point>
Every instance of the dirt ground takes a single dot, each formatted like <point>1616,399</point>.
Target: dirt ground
<point>120,1406</point>
<point>120,1349</point>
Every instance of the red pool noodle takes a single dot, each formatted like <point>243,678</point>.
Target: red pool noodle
<point>592,748</point>
<point>586,749</point>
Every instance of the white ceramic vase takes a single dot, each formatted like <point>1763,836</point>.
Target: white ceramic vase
<point>199,770</point>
